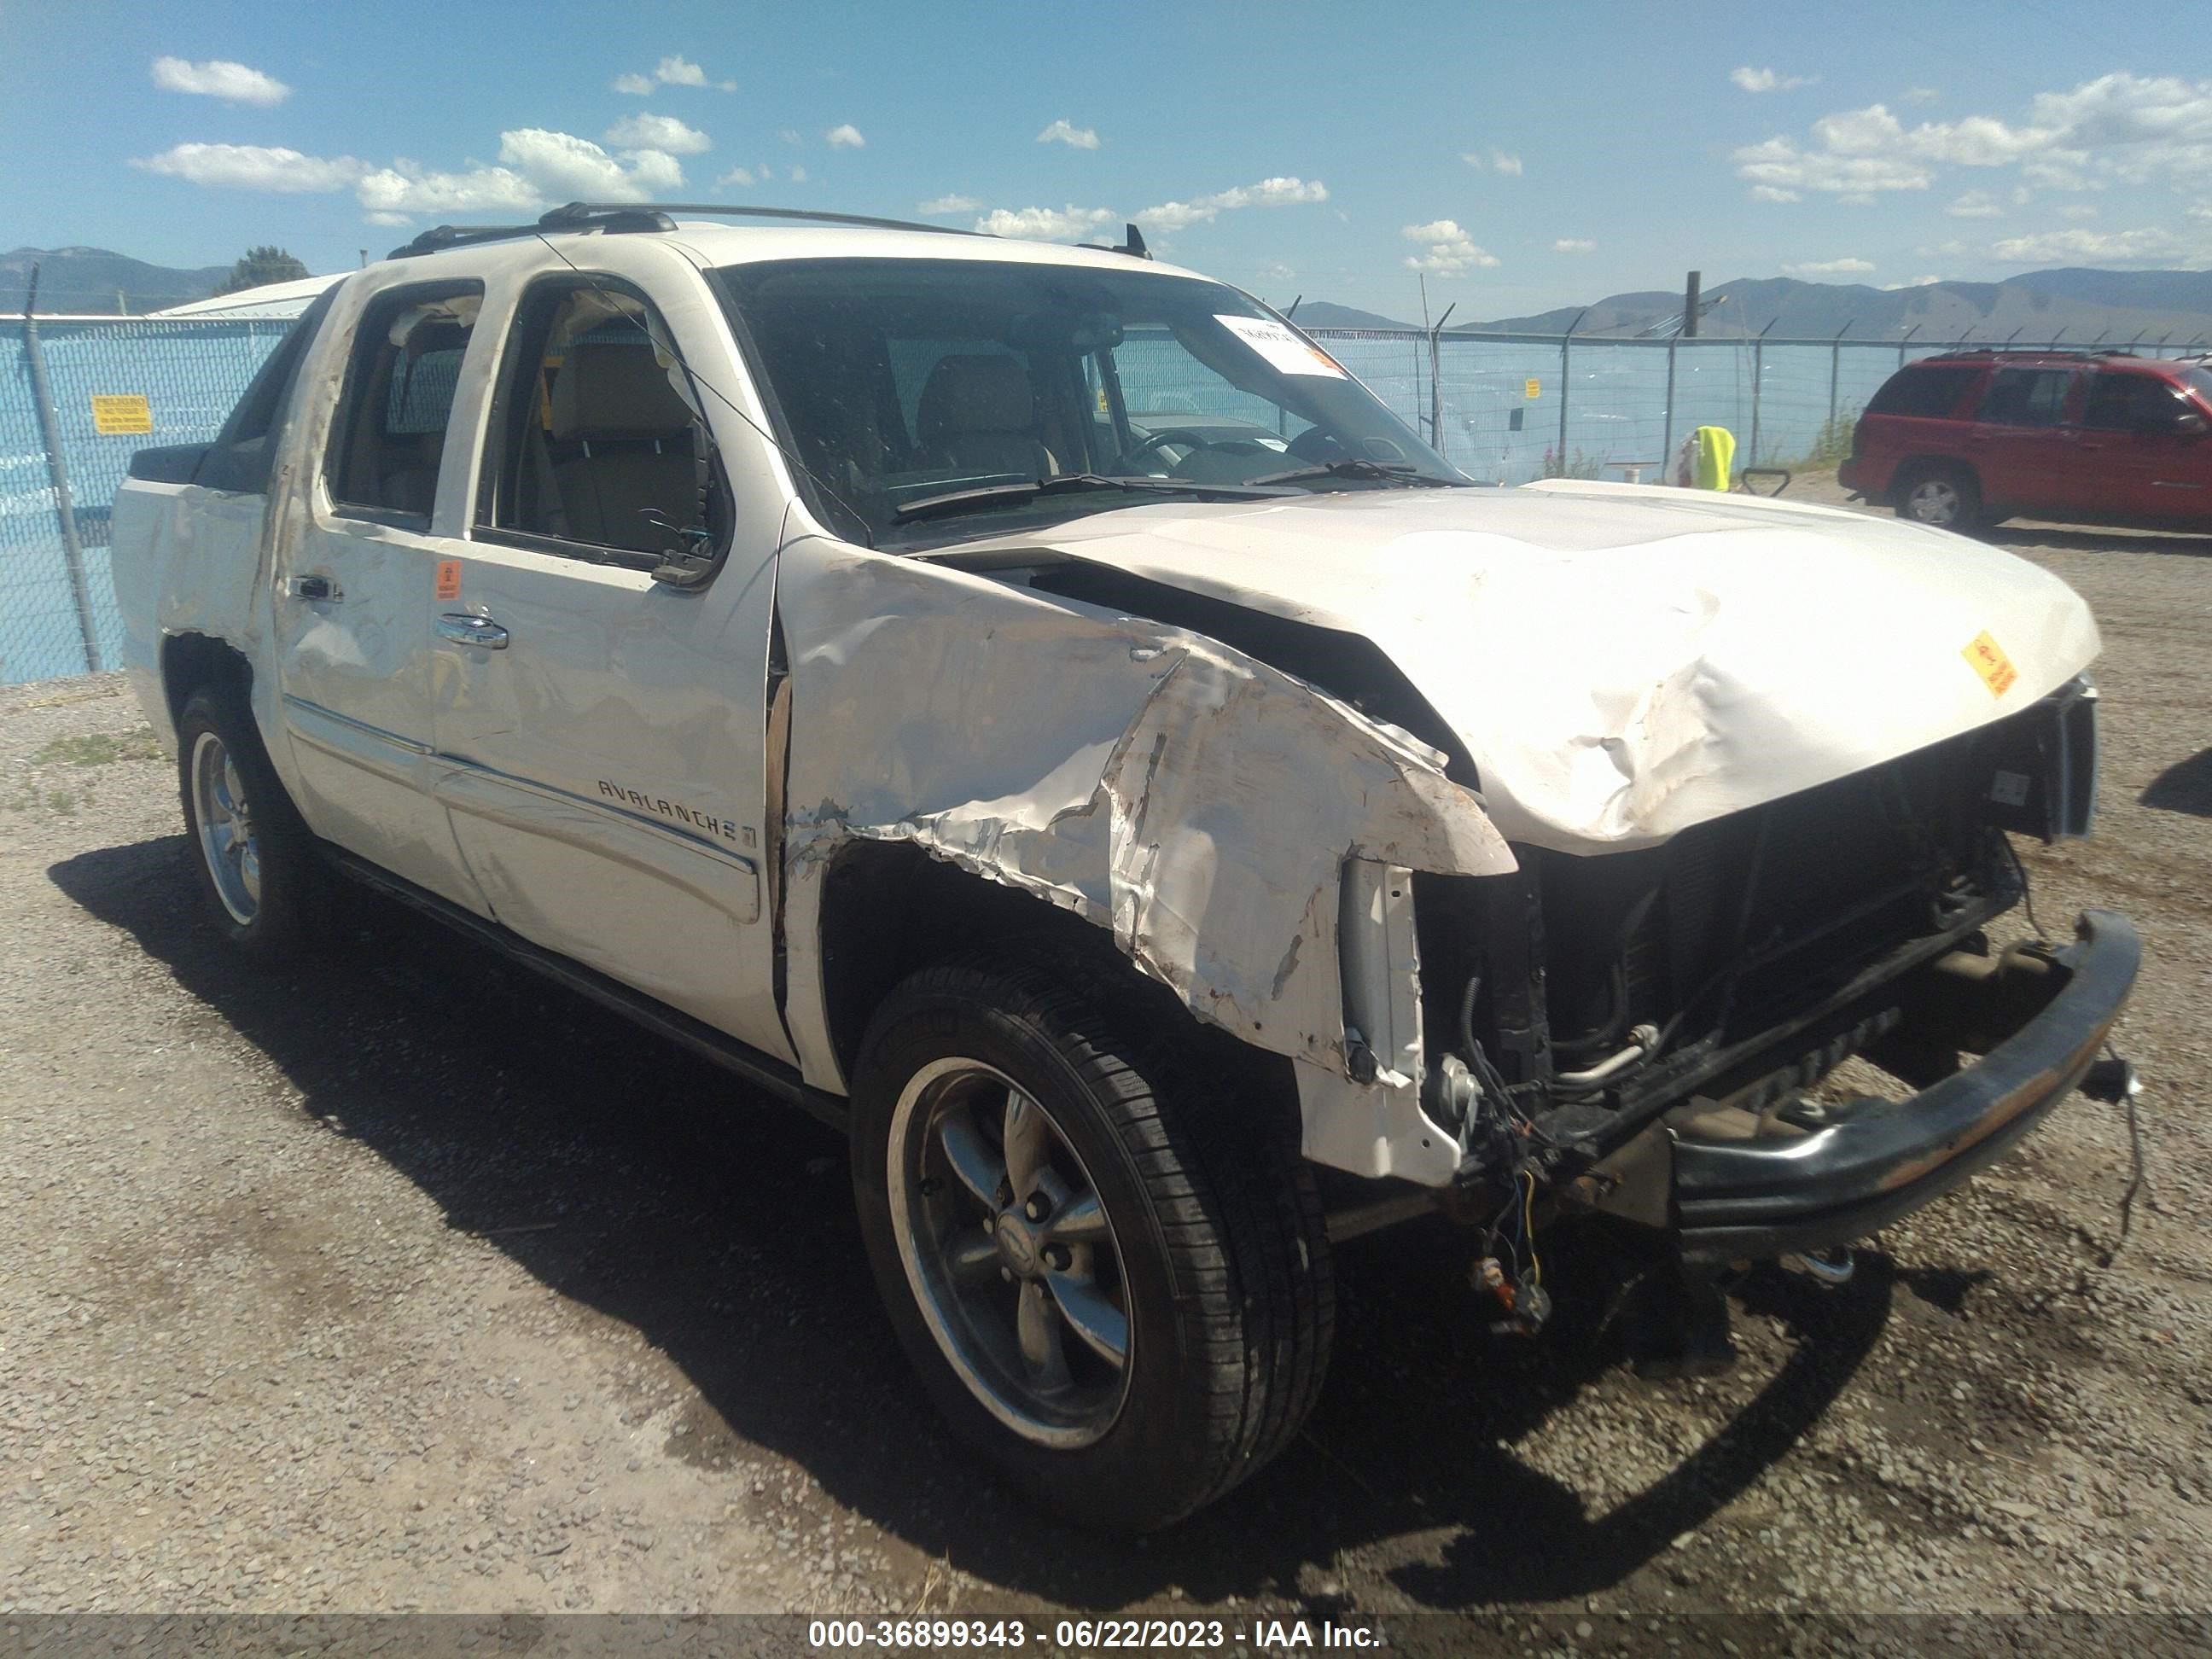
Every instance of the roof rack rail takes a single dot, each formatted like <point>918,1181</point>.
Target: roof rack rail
<point>2085,353</point>
<point>615,218</point>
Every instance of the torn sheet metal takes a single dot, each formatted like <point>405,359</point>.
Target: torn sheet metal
<point>1200,804</point>
<point>1622,662</point>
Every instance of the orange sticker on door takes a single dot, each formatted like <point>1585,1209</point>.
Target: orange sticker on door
<point>1987,657</point>
<point>449,581</point>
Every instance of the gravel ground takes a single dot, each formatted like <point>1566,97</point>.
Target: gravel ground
<point>410,1282</point>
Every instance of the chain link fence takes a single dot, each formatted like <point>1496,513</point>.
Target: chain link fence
<point>1504,408</point>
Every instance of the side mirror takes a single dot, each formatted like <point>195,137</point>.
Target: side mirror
<point>2191,423</point>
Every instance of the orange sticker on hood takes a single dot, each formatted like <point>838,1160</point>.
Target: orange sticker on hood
<point>1987,657</point>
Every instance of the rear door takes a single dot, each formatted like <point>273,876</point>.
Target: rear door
<point>2140,458</point>
<point>601,728</point>
<point>2020,445</point>
<point>356,563</point>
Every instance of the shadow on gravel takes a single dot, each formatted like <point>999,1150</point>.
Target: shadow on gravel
<point>647,1186</point>
<point>2174,543</point>
<point>2184,786</point>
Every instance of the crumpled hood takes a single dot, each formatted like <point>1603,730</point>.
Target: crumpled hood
<point>1622,662</point>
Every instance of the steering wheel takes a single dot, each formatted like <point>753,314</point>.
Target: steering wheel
<point>1193,441</point>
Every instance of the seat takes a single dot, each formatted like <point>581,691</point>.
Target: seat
<point>622,447</point>
<point>978,412</point>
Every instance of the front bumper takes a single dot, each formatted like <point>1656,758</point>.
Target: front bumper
<point>1751,1198</point>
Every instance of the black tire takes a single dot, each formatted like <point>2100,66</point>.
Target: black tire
<point>1224,1256</point>
<point>1942,496</point>
<point>286,902</point>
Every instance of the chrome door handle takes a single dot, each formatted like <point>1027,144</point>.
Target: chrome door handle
<point>472,630</point>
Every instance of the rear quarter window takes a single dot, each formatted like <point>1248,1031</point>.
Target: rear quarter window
<point>1922,391</point>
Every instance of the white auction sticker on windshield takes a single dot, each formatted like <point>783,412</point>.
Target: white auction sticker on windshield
<point>1281,348</point>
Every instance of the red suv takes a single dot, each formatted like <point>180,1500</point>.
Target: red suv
<point>1974,437</point>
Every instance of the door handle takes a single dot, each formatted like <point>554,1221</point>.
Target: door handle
<point>313,589</point>
<point>472,630</point>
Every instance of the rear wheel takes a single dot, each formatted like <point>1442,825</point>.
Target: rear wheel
<point>254,855</point>
<point>1946,497</point>
<point>1102,1254</point>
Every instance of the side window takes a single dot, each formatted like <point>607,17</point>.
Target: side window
<point>600,444</point>
<point>2025,397</point>
<point>2122,403</point>
<point>1927,393</point>
<point>240,458</point>
<point>389,434</point>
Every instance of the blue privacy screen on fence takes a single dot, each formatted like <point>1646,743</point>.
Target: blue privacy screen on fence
<point>1505,408</point>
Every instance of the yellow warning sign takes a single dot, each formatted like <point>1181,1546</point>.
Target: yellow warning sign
<point>449,579</point>
<point>1987,657</point>
<point>120,412</point>
<point>1532,389</point>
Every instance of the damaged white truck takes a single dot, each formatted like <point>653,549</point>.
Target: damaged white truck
<point>1031,706</point>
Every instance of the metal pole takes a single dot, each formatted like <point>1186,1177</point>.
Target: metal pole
<point>1436,379</point>
<point>1691,309</point>
<point>1757,374</point>
<point>57,468</point>
<point>1905,341</point>
<point>1563,341</point>
<point>2056,338</point>
<point>1667,419</point>
<point>1835,369</point>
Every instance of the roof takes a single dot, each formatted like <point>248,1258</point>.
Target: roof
<point>270,299</point>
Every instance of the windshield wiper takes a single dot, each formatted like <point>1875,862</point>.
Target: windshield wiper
<point>1398,472</point>
<point>1069,483</point>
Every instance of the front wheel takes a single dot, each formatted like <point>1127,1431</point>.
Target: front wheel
<point>1102,1253</point>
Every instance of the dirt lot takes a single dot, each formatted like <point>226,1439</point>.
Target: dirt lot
<point>410,1282</point>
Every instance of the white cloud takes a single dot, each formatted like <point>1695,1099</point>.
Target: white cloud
<point>1765,80</point>
<point>676,70</point>
<point>789,135</point>
<point>740,177</point>
<point>1038,224</point>
<point>845,136</point>
<point>1785,171</point>
<point>1773,193</point>
<point>1064,131</point>
<point>255,167</point>
<point>535,167</point>
<point>1910,282</point>
<point>1496,160</point>
<point>1975,205</point>
<point>2147,246</point>
<point>1268,192</point>
<point>2078,210</point>
<point>1445,249</point>
<point>954,202</point>
<point>657,132</point>
<point>1920,95</point>
<point>1278,272</point>
<point>1574,245</point>
<point>799,175</point>
<point>219,78</point>
<point>1844,267</point>
<point>386,219</point>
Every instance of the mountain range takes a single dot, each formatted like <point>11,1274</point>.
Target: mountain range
<point>91,279</point>
<point>2118,305</point>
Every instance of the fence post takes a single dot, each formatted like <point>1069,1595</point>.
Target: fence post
<point>1757,375</point>
<point>1565,340</point>
<point>1667,418</point>
<point>1904,340</point>
<point>57,469</point>
<point>1835,372</point>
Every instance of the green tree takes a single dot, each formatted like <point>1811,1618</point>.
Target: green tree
<point>262,265</point>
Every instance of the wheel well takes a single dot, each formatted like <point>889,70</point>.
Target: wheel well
<point>1911,472</point>
<point>889,909</point>
<point>190,662</point>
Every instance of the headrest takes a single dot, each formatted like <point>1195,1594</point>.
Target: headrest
<point>975,394</point>
<point>607,391</point>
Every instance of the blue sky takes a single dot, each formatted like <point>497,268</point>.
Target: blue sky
<point>1522,156</point>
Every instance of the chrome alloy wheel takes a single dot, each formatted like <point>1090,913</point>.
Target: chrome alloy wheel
<point>1009,1253</point>
<point>226,828</point>
<point>1934,500</point>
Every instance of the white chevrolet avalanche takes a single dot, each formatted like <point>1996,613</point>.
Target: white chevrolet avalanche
<point>1032,708</point>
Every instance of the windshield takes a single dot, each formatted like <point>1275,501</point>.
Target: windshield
<point>902,381</point>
